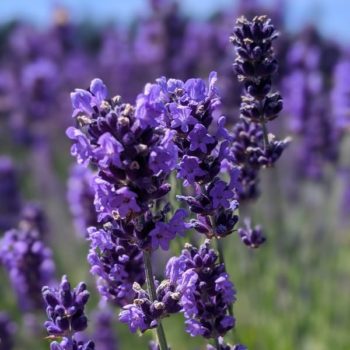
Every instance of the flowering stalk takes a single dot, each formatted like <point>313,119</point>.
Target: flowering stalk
<point>153,296</point>
<point>255,65</point>
<point>65,311</point>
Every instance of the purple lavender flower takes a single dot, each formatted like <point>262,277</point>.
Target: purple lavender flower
<point>116,263</point>
<point>190,170</point>
<point>80,198</point>
<point>29,265</point>
<point>144,313</point>
<point>205,291</point>
<point>65,308</point>
<point>81,148</point>
<point>133,316</point>
<point>164,233</point>
<point>40,84</point>
<point>252,237</point>
<point>33,217</point>
<point>133,153</point>
<point>199,138</point>
<point>181,117</point>
<point>221,194</point>
<point>224,346</point>
<point>7,332</point>
<point>10,202</point>
<point>255,65</point>
<point>340,94</point>
<point>72,344</point>
<point>104,333</point>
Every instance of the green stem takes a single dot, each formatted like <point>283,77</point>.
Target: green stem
<point>217,344</point>
<point>152,293</point>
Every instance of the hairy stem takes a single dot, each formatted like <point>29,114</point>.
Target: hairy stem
<point>217,344</point>
<point>152,293</point>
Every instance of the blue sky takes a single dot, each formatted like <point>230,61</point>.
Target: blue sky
<point>333,16</point>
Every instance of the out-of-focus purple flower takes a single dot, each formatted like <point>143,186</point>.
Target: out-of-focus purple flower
<point>80,196</point>
<point>252,237</point>
<point>10,203</point>
<point>340,95</point>
<point>33,217</point>
<point>104,332</point>
<point>7,332</point>
<point>29,264</point>
<point>40,84</point>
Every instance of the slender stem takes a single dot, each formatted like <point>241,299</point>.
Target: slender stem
<point>265,134</point>
<point>217,344</point>
<point>152,293</point>
<point>220,249</point>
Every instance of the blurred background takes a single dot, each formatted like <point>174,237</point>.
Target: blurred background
<point>294,291</point>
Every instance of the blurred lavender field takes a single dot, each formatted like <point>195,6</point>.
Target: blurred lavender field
<point>293,291</point>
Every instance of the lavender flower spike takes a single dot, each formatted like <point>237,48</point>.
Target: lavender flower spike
<point>205,291</point>
<point>7,331</point>
<point>29,264</point>
<point>255,64</point>
<point>65,310</point>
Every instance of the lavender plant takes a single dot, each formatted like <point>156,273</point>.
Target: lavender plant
<point>173,128</point>
<point>65,311</point>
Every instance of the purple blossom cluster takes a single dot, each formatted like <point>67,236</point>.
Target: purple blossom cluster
<point>33,217</point>
<point>145,313</point>
<point>252,237</point>
<point>253,148</point>
<point>134,156</point>
<point>7,332</point>
<point>65,311</point>
<point>116,264</point>
<point>10,201</point>
<point>80,196</point>
<point>205,291</point>
<point>104,333</point>
<point>29,265</point>
<point>202,141</point>
<point>316,103</point>
<point>172,142</point>
<point>197,285</point>
<point>174,128</point>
